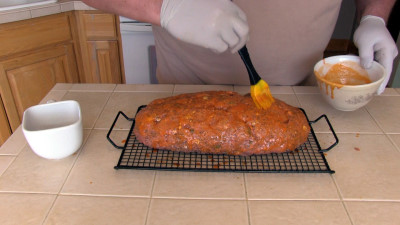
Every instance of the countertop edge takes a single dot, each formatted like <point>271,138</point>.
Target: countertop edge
<point>14,15</point>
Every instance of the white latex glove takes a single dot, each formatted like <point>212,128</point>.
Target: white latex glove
<point>213,24</point>
<point>372,38</point>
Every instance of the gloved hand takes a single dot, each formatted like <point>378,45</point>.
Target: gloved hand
<point>372,37</point>
<point>213,24</point>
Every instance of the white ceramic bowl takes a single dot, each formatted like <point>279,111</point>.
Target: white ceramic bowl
<point>53,130</point>
<point>348,97</point>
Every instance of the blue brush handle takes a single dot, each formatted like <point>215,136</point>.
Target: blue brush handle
<point>253,75</point>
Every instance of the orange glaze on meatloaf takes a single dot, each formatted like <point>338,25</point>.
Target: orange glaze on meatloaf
<point>220,122</point>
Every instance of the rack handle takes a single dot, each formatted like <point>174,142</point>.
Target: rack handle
<point>112,127</point>
<point>333,133</point>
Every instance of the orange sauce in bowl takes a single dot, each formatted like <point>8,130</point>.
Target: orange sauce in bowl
<point>340,74</point>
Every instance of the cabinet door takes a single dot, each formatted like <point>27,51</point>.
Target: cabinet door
<point>99,44</point>
<point>5,130</point>
<point>104,61</point>
<point>26,79</point>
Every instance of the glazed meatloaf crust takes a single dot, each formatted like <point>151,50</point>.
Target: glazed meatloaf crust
<point>220,122</point>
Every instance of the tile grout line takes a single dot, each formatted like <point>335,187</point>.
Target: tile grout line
<point>66,177</point>
<point>397,148</point>
<point>200,198</point>
<point>12,161</point>
<point>347,212</point>
<point>296,200</point>
<point>246,198</point>
<point>393,143</point>
<point>102,108</point>
<point>49,210</point>
<point>342,200</point>
<point>350,132</point>
<point>74,162</point>
<point>173,89</point>
<point>375,121</point>
<point>371,200</point>
<point>76,159</point>
<point>150,199</point>
<point>297,98</point>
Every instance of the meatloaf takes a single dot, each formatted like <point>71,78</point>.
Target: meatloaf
<point>220,122</point>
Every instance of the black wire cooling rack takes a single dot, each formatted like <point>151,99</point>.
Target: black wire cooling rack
<point>307,158</point>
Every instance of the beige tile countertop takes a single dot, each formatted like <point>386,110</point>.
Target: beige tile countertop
<point>86,189</point>
<point>24,13</point>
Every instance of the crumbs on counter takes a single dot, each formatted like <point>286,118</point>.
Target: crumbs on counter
<point>357,149</point>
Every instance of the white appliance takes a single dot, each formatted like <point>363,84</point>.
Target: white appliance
<point>138,52</point>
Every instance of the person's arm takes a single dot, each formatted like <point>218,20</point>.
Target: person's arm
<point>214,24</point>
<point>380,8</point>
<point>142,10</point>
<point>373,38</point>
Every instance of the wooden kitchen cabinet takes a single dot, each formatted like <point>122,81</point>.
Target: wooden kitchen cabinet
<point>69,47</point>
<point>26,79</point>
<point>34,55</point>
<point>99,42</point>
<point>5,130</point>
<point>104,63</point>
